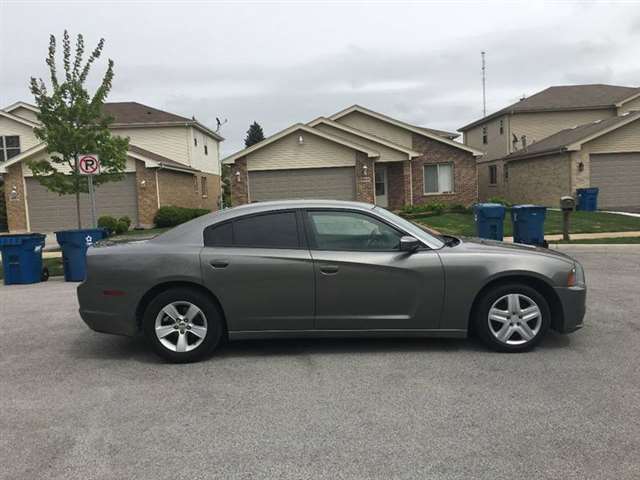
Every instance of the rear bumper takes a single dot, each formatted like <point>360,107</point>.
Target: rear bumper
<point>573,301</point>
<point>103,314</point>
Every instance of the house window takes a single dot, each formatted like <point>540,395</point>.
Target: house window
<point>206,150</point>
<point>438,178</point>
<point>204,189</point>
<point>493,174</point>
<point>9,147</point>
<point>501,127</point>
<point>195,183</point>
<point>505,170</point>
<point>485,139</point>
<point>195,142</point>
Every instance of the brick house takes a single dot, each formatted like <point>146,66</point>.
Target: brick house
<point>356,154</point>
<point>514,139</point>
<point>172,160</point>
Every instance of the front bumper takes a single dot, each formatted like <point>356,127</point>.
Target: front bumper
<point>573,301</point>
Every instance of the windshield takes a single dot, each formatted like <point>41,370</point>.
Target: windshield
<point>413,228</point>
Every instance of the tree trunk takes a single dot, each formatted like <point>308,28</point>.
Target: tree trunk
<point>77,191</point>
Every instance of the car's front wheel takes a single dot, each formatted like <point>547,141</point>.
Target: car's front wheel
<point>512,318</point>
<point>182,325</point>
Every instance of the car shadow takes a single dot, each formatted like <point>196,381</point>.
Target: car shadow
<point>106,347</point>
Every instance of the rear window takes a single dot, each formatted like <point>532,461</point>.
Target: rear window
<point>272,230</point>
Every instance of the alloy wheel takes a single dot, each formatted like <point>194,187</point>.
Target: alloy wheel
<point>181,326</point>
<point>514,319</point>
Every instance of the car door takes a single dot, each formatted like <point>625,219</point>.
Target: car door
<point>364,281</point>
<point>261,270</point>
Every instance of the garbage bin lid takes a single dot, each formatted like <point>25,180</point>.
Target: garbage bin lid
<point>528,207</point>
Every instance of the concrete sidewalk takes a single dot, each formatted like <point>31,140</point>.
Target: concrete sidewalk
<point>586,236</point>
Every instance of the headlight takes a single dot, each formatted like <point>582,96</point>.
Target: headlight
<point>576,276</point>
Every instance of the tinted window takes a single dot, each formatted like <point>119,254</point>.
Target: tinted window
<point>352,231</point>
<point>275,230</point>
<point>218,235</point>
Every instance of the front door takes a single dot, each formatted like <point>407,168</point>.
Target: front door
<point>382,186</point>
<point>260,269</point>
<point>363,280</point>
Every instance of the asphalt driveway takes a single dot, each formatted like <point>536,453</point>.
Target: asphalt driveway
<point>75,404</point>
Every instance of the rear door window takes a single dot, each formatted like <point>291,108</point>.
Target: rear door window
<point>272,230</point>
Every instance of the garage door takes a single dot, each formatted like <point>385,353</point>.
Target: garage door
<point>49,212</point>
<point>617,175</point>
<point>322,183</point>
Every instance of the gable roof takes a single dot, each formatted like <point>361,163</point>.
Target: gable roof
<point>18,119</point>
<point>566,97</point>
<point>294,128</point>
<point>131,114</point>
<point>364,135</point>
<point>572,139</point>
<point>22,156</point>
<point>162,162</point>
<point>406,126</point>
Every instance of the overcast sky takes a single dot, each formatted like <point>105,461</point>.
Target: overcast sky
<point>286,62</point>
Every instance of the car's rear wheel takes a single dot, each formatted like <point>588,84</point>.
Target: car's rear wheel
<point>512,318</point>
<point>182,325</point>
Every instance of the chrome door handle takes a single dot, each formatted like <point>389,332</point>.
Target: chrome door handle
<point>218,263</point>
<point>329,269</point>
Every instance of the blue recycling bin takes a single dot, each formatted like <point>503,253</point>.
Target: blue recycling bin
<point>528,224</point>
<point>489,219</point>
<point>22,258</point>
<point>587,199</point>
<point>74,244</point>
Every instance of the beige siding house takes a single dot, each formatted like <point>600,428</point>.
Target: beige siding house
<point>172,160</point>
<point>521,125</point>
<point>356,154</point>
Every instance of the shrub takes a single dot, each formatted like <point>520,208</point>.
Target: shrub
<point>125,220</point>
<point>171,216</point>
<point>121,227</point>
<point>109,223</point>
<point>501,201</point>
<point>458,208</point>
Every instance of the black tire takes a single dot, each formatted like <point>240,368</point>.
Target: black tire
<point>481,324</point>
<point>44,276</point>
<point>201,300</point>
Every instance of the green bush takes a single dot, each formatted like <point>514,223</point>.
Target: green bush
<point>125,220</point>
<point>500,200</point>
<point>171,216</point>
<point>121,227</point>
<point>109,223</point>
<point>458,208</point>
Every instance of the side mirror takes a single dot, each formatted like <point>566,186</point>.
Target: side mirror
<point>409,244</point>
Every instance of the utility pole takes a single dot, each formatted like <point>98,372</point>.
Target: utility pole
<point>484,86</point>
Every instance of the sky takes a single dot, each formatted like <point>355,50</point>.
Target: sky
<point>279,63</point>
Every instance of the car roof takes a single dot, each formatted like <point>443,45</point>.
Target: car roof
<point>192,230</point>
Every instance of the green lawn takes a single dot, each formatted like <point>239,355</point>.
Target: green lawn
<point>581,222</point>
<point>53,264</point>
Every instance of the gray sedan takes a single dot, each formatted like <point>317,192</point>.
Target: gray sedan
<point>314,268</point>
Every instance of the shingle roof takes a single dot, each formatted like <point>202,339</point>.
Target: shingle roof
<point>134,112</point>
<point>559,142</point>
<point>565,97</point>
<point>440,133</point>
<point>163,161</point>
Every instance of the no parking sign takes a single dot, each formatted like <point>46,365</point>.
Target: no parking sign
<point>89,164</point>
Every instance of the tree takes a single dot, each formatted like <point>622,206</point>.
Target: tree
<point>254,134</point>
<point>73,122</point>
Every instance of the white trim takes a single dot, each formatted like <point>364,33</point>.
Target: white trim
<point>22,156</point>
<point>21,104</point>
<point>406,126</point>
<point>367,136</point>
<point>157,188</point>
<point>628,99</point>
<point>18,119</point>
<point>294,128</point>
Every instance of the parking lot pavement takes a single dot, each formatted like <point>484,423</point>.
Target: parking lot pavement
<point>75,404</point>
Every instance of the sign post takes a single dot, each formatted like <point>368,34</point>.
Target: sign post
<point>89,165</point>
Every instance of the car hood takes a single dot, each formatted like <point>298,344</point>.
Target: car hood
<point>481,245</point>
